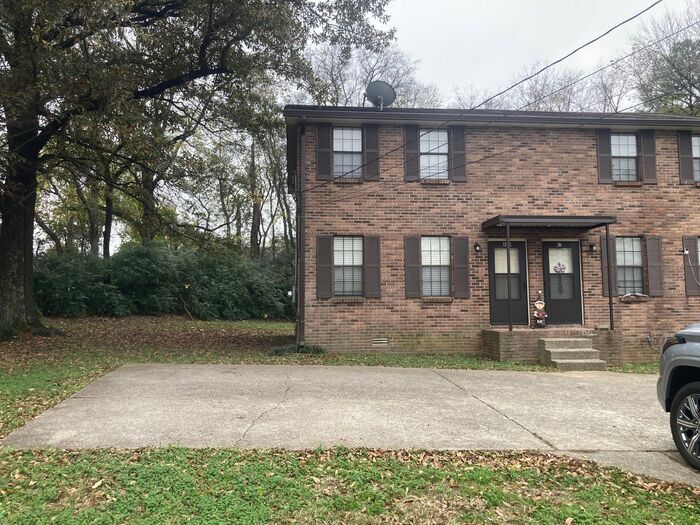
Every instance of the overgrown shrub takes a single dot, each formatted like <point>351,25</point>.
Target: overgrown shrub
<point>146,277</point>
<point>228,286</point>
<point>156,279</point>
<point>72,285</point>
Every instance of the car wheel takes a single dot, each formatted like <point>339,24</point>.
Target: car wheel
<point>685,423</point>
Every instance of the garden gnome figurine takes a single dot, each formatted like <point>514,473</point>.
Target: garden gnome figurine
<point>540,315</point>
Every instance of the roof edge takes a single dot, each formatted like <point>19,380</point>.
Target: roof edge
<point>502,117</point>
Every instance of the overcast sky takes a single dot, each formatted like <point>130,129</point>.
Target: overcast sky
<point>486,42</point>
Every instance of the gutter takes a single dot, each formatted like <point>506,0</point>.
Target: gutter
<point>494,118</point>
<point>301,237</point>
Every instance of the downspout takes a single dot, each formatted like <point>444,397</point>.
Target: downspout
<point>510,314</point>
<point>301,237</point>
<point>610,253</point>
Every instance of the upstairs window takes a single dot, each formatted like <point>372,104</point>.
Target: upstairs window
<point>435,266</point>
<point>433,154</point>
<point>624,156</point>
<point>347,266</point>
<point>347,153</point>
<point>696,158</point>
<point>630,265</point>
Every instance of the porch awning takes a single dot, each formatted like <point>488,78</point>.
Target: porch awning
<point>580,222</point>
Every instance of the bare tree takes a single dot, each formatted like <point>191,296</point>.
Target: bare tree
<point>341,77</point>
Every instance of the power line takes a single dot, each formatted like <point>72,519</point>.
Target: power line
<point>506,113</point>
<point>463,113</point>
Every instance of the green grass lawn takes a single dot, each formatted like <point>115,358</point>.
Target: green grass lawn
<point>173,485</point>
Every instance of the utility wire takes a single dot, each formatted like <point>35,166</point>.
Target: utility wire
<point>502,92</point>
<point>506,113</point>
<point>543,97</point>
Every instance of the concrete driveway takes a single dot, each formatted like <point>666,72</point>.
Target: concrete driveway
<point>611,418</point>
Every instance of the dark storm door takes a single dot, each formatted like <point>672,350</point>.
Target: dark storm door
<point>498,282</point>
<point>562,282</point>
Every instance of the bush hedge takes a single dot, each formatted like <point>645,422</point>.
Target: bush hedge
<point>156,279</point>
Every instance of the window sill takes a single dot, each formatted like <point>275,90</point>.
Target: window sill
<point>633,299</point>
<point>437,182</point>
<point>436,299</point>
<point>348,299</point>
<point>628,183</point>
<point>348,180</point>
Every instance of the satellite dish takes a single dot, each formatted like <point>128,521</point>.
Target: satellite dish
<point>380,94</point>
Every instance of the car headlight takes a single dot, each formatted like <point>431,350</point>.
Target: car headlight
<point>675,340</point>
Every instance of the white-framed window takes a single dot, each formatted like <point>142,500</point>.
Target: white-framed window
<point>435,266</point>
<point>347,153</point>
<point>696,157</point>
<point>630,265</point>
<point>623,148</point>
<point>433,154</point>
<point>347,266</point>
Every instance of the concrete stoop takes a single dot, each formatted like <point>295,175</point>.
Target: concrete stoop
<point>570,354</point>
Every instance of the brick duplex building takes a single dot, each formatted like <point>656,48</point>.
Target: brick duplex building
<point>405,217</point>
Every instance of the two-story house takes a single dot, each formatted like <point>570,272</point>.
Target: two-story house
<point>437,230</point>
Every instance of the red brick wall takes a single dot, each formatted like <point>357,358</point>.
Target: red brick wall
<point>549,172</point>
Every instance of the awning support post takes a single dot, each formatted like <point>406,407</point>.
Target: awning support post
<point>609,249</point>
<point>510,318</point>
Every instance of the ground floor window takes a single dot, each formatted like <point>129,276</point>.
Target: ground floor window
<point>630,266</point>
<point>500,269</point>
<point>347,266</point>
<point>435,266</point>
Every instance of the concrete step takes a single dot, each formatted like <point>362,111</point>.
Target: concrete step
<point>558,343</point>
<point>547,356</point>
<point>571,365</point>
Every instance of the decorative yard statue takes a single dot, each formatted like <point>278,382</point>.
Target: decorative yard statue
<point>540,315</point>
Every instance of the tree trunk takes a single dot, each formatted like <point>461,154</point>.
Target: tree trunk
<point>109,217</point>
<point>17,207</point>
<point>257,206</point>
<point>149,217</point>
<point>51,234</point>
<point>94,217</point>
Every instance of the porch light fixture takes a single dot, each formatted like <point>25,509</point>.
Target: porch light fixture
<point>593,247</point>
<point>477,247</point>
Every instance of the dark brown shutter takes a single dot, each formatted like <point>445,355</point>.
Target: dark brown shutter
<point>324,151</point>
<point>411,259</point>
<point>685,156</point>
<point>324,266</point>
<point>604,157</point>
<point>371,268</point>
<point>647,156</point>
<point>607,245</point>
<point>655,281</point>
<point>456,158</point>
<point>460,271</point>
<point>692,268</point>
<point>370,152</point>
<point>411,153</point>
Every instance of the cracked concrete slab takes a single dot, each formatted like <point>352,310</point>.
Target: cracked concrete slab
<point>605,416</point>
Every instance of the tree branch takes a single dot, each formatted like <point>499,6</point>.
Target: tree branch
<point>179,80</point>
